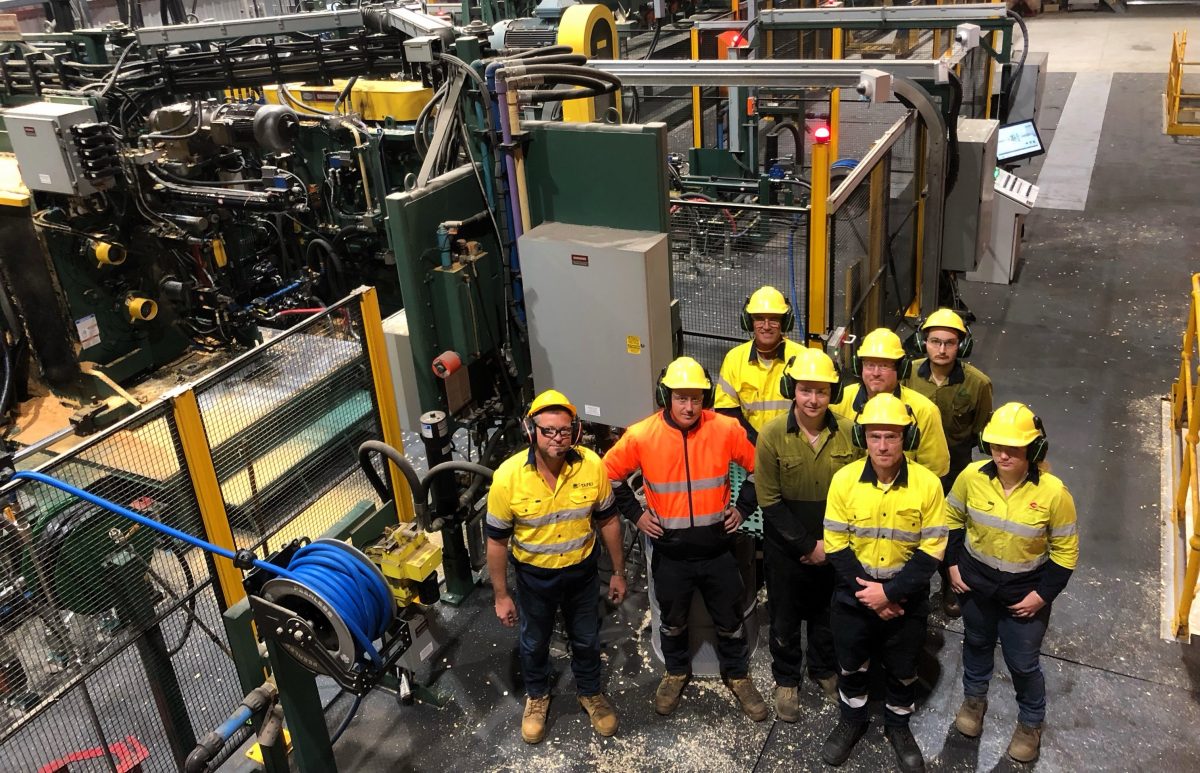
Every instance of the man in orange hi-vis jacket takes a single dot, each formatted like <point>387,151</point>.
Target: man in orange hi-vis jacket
<point>684,453</point>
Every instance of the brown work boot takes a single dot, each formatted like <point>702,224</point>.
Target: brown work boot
<point>603,716</point>
<point>533,724</point>
<point>787,703</point>
<point>828,687</point>
<point>670,689</point>
<point>969,719</point>
<point>747,694</point>
<point>1026,743</point>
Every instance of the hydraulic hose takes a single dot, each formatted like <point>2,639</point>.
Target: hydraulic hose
<point>410,474</point>
<point>952,160</point>
<point>354,591</point>
<point>1020,20</point>
<point>478,470</point>
<point>6,391</point>
<point>256,701</point>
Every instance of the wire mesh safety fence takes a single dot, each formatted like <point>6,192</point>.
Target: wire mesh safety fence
<point>873,235</point>
<point>100,612</point>
<point>112,649</point>
<point>720,254</point>
<point>284,429</point>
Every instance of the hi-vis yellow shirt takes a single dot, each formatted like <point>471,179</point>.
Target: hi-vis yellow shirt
<point>932,451</point>
<point>885,528</point>
<point>1018,533</point>
<point>752,387</point>
<point>548,528</point>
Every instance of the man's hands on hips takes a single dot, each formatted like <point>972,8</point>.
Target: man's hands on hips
<point>733,519</point>
<point>649,525</point>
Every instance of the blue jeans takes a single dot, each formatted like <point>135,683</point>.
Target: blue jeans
<point>540,594</point>
<point>985,620</point>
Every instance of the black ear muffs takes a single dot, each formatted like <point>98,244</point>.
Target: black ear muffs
<point>911,435</point>
<point>966,341</point>
<point>662,392</point>
<point>786,321</point>
<point>903,366</point>
<point>787,384</point>
<point>1035,452</point>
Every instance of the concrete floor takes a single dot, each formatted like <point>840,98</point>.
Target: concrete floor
<point>1089,337</point>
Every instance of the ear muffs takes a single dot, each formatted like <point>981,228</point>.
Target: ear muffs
<point>662,392</point>
<point>529,427</point>
<point>786,322</point>
<point>911,436</point>
<point>903,366</point>
<point>787,384</point>
<point>966,341</point>
<point>1035,452</point>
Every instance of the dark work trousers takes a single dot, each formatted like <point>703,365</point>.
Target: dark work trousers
<point>720,585</point>
<point>985,620</point>
<point>960,457</point>
<point>540,594</point>
<point>859,636</point>
<point>797,594</point>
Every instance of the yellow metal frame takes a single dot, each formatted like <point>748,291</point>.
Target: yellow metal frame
<point>818,245</point>
<point>385,395</point>
<point>835,97</point>
<point>697,114</point>
<point>1175,94</point>
<point>1185,413</point>
<point>194,440</point>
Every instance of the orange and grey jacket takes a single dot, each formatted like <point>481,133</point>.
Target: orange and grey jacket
<point>686,479</point>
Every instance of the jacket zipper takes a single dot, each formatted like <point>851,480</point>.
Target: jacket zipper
<point>687,471</point>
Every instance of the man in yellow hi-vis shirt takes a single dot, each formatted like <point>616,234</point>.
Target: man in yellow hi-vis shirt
<point>881,363</point>
<point>748,389</point>
<point>544,502</point>
<point>885,533</point>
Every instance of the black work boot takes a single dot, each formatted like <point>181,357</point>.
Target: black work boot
<point>908,754</point>
<point>841,741</point>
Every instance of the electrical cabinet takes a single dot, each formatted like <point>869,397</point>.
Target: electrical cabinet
<point>40,134</point>
<point>599,308</point>
<point>968,219</point>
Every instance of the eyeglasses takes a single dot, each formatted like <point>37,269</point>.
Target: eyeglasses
<point>555,432</point>
<point>878,366</point>
<point>768,321</point>
<point>942,343</point>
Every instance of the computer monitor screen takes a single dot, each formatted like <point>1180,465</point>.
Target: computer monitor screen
<point>1017,141</point>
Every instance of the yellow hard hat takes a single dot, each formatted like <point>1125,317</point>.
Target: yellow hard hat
<point>885,409</point>
<point>767,300</point>
<point>881,343</point>
<point>684,373</point>
<point>1012,424</point>
<point>945,318</point>
<point>812,365</point>
<point>551,398</point>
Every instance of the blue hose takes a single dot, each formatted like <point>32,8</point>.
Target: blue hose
<point>355,593</point>
<point>236,720</point>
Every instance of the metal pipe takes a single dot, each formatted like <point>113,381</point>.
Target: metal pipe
<point>800,73</point>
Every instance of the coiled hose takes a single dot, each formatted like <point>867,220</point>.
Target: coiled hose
<point>354,591</point>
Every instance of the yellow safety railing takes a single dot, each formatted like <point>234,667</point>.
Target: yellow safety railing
<point>1176,98</point>
<point>1185,485</point>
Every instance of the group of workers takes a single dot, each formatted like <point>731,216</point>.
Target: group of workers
<point>866,491</point>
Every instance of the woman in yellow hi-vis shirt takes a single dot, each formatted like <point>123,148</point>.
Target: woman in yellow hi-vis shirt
<point>1013,546</point>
